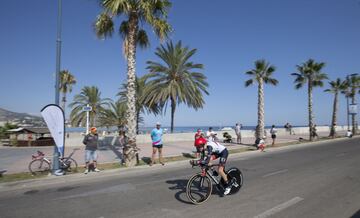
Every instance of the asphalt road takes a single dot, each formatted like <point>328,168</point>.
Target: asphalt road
<point>319,180</point>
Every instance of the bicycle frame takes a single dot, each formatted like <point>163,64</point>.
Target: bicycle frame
<point>205,172</point>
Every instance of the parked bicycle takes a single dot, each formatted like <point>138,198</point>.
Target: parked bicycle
<point>42,165</point>
<point>200,185</point>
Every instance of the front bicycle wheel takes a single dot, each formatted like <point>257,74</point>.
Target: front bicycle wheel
<point>198,188</point>
<point>39,166</point>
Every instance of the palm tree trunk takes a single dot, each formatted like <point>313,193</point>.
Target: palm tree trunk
<point>261,114</point>
<point>137,121</point>
<point>333,122</point>
<point>310,110</point>
<point>92,118</point>
<point>131,151</point>
<point>353,116</point>
<point>173,107</point>
<point>63,102</point>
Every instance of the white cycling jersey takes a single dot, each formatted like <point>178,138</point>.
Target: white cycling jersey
<point>216,147</point>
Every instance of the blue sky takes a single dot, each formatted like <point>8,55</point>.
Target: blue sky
<point>229,36</point>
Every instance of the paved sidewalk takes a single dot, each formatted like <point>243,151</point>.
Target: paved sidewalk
<point>16,160</point>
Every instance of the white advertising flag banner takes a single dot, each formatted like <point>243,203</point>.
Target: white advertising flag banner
<point>55,121</point>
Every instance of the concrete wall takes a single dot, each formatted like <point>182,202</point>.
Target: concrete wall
<point>75,139</point>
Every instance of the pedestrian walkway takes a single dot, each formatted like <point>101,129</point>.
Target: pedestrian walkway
<point>16,160</point>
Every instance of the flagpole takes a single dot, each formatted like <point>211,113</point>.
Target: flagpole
<point>57,82</point>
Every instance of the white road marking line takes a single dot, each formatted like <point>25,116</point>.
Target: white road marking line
<point>279,208</point>
<point>275,173</point>
<point>340,155</point>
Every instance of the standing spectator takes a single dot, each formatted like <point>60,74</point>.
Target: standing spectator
<point>314,132</point>
<point>273,132</point>
<point>157,143</point>
<point>211,135</point>
<point>286,126</point>
<point>238,133</point>
<point>123,142</point>
<point>91,142</point>
<point>123,139</point>
<point>197,136</point>
<point>291,130</point>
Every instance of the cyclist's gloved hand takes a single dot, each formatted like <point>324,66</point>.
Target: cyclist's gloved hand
<point>203,162</point>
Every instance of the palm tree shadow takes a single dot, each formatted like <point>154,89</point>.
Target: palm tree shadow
<point>180,185</point>
<point>188,155</point>
<point>116,151</point>
<point>146,160</point>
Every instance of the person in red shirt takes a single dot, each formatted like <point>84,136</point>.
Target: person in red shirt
<point>199,135</point>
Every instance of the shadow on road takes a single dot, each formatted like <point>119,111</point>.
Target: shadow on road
<point>356,215</point>
<point>180,185</point>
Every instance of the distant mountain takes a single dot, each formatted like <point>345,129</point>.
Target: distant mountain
<point>20,118</point>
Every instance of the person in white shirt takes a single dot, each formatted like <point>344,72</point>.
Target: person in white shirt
<point>211,135</point>
<point>273,132</point>
<point>238,133</point>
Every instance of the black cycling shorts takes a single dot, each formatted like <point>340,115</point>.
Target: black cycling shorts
<point>223,157</point>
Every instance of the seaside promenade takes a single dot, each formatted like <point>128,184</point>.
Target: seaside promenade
<point>16,160</point>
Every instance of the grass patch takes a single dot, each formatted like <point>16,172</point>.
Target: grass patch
<point>20,176</point>
<point>109,166</point>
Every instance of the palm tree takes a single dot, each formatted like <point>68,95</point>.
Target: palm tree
<point>114,116</point>
<point>67,80</point>
<point>141,105</point>
<point>89,96</point>
<point>336,86</point>
<point>261,74</point>
<point>136,13</point>
<point>353,83</point>
<point>310,73</point>
<point>174,80</point>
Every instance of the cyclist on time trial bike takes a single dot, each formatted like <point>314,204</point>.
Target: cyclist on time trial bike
<point>215,150</point>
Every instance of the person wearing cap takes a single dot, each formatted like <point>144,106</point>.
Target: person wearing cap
<point>157,143</point>
<point>91,142</point>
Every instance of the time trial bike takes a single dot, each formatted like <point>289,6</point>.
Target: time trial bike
<point>200,185</point>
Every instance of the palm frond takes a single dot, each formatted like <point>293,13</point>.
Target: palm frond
<point>104,26</point>
<point>249,82</point>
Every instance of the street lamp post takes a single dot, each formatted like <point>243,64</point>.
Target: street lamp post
<point>347,107</point>
<point>348,94</point>
<point>57,80</point>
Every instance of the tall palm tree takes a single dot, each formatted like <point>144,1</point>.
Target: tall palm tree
<point>92,96</point>
<point>336,86</point>
<point>115,115</point>
<point>141,105</point>
<point>67,80</point>
<point>135,13</point>
<point>262,74</point>
<point>353,82</point>
<point>175,80</point>
<point>310,73</point>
